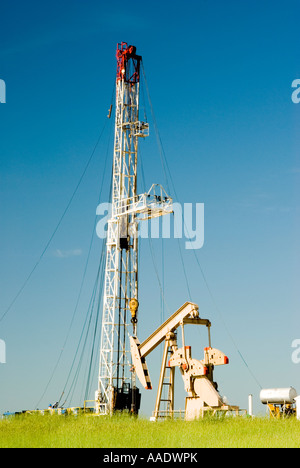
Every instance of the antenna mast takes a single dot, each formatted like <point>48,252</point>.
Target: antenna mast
<point>116,385</point>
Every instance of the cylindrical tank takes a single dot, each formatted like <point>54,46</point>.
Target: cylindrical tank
<point>278,396</point>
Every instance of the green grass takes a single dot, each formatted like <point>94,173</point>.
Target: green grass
<point>54,431</point>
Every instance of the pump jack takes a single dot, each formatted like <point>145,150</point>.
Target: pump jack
<point>197,375</point>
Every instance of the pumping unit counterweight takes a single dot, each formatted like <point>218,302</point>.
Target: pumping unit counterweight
<point>116,383</point>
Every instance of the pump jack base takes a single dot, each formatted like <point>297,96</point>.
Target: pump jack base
<point>194,409</point>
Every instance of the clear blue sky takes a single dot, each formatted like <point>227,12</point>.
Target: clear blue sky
<point>219,75</point>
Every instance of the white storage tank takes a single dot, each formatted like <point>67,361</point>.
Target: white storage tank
<point>279,396</point>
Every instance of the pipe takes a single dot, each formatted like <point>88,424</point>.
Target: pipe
<point>250,405</point>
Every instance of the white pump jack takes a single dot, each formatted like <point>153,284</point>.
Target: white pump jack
<point>197,375</point>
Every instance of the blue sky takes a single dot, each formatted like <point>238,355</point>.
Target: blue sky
<point>219,75</point>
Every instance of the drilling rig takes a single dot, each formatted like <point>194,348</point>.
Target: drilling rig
<point>117,381</point>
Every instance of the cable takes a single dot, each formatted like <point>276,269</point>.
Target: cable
<point>56,228</point>
<point>83,277</point>
<point>87,388</point>
<point>87,321</point>
<point>166,168</point>
<point>100,269</point>
<point>159,142</point>
<point>161,286</point>
<point>163,278</point>
<point>224,323</point>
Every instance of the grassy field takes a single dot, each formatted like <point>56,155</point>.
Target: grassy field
<point>37,431</point>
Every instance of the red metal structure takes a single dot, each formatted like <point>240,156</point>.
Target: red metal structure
<point>128,63</point>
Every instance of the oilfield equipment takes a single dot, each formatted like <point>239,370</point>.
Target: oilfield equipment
<point>281,402</point>
<point>197,375</point>
<point>121,356</point>
<point>116,383</point>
